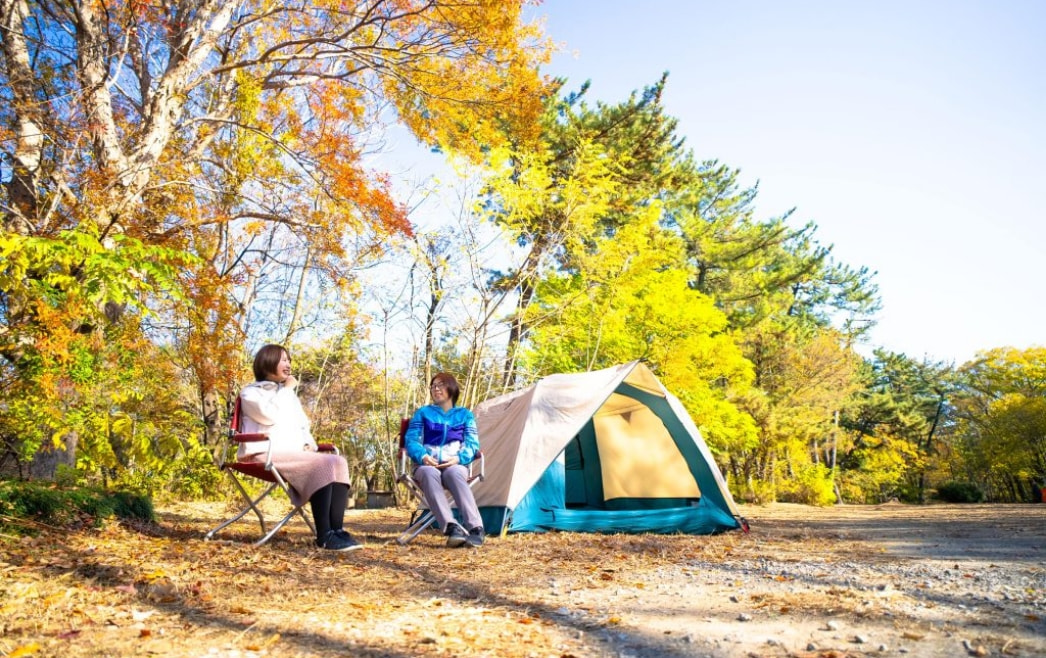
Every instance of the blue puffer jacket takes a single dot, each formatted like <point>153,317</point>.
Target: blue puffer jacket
<point>442,434</point>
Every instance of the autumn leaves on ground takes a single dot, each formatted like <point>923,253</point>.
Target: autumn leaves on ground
<point>805,582</point>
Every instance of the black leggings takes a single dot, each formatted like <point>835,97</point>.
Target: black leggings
<point>328,508</point>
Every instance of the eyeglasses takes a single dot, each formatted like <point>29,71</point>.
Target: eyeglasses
<point>438,386</point>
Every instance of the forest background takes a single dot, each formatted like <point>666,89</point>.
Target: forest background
<point>184,182</point>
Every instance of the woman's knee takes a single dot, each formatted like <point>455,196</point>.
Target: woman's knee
<point>333,459</point>
<point>426,473</point>
<point>456,472</point>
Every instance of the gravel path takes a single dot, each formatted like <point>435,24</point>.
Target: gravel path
<point>925,582</point>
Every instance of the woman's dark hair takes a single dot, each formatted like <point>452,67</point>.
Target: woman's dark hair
<point>449,383</point>
<point>266,361</point>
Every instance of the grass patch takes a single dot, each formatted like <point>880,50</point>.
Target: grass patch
<point>25,505</point>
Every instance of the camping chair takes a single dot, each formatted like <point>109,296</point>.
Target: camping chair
<point>266,472</point>
<point>423,518</point>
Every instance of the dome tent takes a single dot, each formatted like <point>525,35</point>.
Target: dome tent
<point>604,451</point>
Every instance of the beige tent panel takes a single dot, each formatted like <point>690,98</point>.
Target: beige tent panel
<point>549,414</point>
<point>618,404</point>
<point>639,457</point>
<point>644,380</point>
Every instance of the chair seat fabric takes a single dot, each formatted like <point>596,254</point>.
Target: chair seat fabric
<point>305,472</point>
<point>252,469</point>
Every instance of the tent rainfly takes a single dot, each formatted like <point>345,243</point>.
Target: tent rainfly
<point>604,451</point>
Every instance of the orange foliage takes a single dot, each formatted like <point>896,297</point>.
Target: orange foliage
<point>238,134</point>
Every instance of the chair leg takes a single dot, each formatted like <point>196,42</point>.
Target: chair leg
<point>422,518</point>
<point>252,505</point>
<point>416,527</point>
<point>282,522</point>
<point>306,519</point>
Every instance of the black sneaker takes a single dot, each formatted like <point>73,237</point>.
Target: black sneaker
<point>456,536</point>
<point>342,532</point>
<point>475,538</point>
<point>339,540</point>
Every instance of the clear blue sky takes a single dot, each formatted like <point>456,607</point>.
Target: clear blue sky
<point>912,133</point>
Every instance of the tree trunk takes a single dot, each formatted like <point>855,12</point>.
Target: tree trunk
<point>299,298</point>
<point>49,458</point>
<point>213,427</point>
<point>518,326</point>
<point>29,141</point>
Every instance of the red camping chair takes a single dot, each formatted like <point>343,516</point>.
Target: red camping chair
<point>423,518</point>
<point>266,472</point>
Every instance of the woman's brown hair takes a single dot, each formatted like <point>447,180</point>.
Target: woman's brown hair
<point>267,360</point>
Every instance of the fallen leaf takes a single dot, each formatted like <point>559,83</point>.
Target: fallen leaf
<point>273,639</point>
<point>156,575</point>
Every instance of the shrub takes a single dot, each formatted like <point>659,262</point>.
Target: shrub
<point>960,492</point>
<point>128,505</point>
<point>756,491</point>
<point>910,493</point>
<point>811,485</point>
<point>25,503</point>
<point>851,492</point>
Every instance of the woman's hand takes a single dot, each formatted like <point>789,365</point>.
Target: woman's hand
<point>450,462</point>
<point>429,460</point>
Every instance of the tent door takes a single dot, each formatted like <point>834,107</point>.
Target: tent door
<point>584,479</point>
<point>575,475</point>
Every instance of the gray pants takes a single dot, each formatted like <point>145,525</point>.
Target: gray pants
<point>454,479</point>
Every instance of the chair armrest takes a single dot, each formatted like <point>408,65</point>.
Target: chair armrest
<point>327,447</point>
<point>477,459</point>
<point>404,464</point>
<point>234,438</point>
<point>249,438</point>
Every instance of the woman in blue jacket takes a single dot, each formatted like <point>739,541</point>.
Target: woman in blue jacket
<point>442,440</point>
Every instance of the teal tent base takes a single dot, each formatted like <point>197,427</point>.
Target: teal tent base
<point>494,519</point>
<point>544,509</point>
<point>546,494</point>
<point>697,520</point>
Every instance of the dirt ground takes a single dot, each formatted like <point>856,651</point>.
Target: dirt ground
<point>892,580</point>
